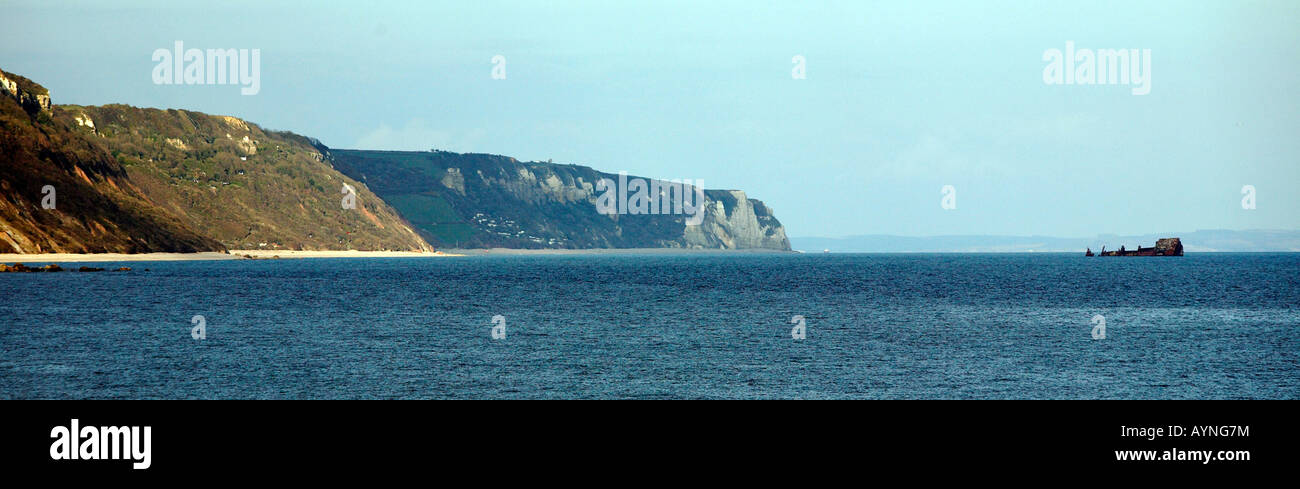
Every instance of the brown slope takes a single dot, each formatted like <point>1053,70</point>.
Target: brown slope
<point>246,187</point>
<point>96,209</point>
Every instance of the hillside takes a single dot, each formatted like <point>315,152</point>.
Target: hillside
<point>243,186</point>
<point>96,207</point>
<point>134,180</point>
<point>480,200</point>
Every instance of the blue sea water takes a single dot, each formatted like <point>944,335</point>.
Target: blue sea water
<point>661,326</point>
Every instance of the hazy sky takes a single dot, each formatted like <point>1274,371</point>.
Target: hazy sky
<point>900,98</point>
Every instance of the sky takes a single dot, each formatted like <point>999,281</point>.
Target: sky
<point>898,100</point>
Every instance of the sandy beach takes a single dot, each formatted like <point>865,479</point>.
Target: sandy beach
<point>42,258</point>
<point>38,258</point>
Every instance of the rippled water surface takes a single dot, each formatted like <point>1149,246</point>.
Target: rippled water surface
<point>651,326</point>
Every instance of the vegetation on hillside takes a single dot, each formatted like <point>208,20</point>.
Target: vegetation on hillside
<point>244,186</point>
<point>96,209</point>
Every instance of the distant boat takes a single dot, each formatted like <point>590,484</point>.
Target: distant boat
<point>1088,252</point>
<point>1163,247</point>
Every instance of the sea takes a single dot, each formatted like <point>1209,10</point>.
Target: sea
<point>681,325</point>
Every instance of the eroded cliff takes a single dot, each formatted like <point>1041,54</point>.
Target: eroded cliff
<point>480,200</point>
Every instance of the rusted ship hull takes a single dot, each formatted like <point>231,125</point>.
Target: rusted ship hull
<point>1163,247</point>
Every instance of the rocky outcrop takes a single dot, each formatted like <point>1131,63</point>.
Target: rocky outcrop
<point>733,221</point>
<point>32,97</point>
<point>20,268</point>
<point>479,200</point>
<point>452,179</point>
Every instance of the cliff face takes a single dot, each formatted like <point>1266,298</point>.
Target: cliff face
<point>737,223</point>
<point>478,200</point>
<point>30,96</point>
<point>60,192</point>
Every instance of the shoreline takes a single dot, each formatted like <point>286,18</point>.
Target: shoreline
<point>33,258</point>
<point>44,258</point>
<point>211,255</point>
<point>606,251</point>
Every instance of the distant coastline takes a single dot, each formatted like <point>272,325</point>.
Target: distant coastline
<point>1200,241</point>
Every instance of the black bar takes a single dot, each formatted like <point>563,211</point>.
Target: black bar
<point>366,438</point>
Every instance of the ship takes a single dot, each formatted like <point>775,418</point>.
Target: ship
<point>1163,247</point>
